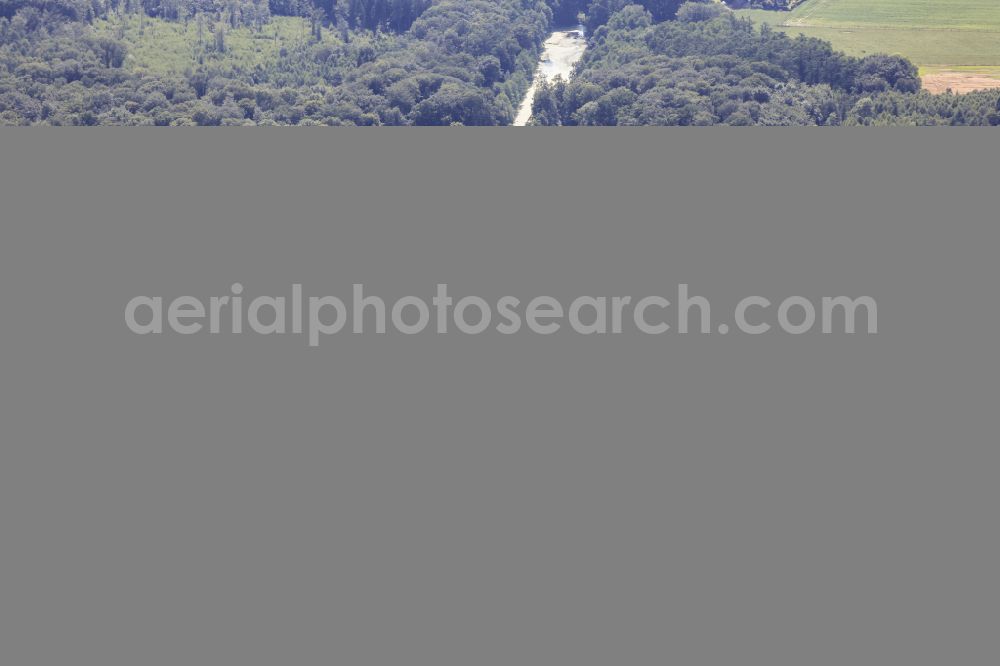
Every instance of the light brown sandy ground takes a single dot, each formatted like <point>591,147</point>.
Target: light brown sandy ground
<point>560,52</point>
<point>958,82</point>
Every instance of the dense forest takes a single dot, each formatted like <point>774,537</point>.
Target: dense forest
<point>437,62</point>
<point>363,62</point>
<point>708,67</point>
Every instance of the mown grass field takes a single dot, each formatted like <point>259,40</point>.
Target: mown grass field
<point>948,39</point>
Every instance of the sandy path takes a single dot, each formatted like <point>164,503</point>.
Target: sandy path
<point>559,53</point>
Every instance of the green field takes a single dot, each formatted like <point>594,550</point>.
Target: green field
<point>170,47</point>
<point>937,35</point>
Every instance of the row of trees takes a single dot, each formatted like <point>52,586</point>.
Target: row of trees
<point>708,67</point>
<point>765,4</point>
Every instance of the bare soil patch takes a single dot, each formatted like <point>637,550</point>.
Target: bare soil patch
<point>958,82</point>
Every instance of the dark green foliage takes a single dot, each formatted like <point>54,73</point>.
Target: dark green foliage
<point>460,62</point>
<point>599,12</point>
<point>545,105</point>
<point>701,70</point>
<point>691,12</point>
<point>397,15</point>
<point>765,4</point>
<point>444,62</point>
<point>72,9</point>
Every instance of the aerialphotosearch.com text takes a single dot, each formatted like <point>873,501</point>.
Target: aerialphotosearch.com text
<point>322,316</point>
